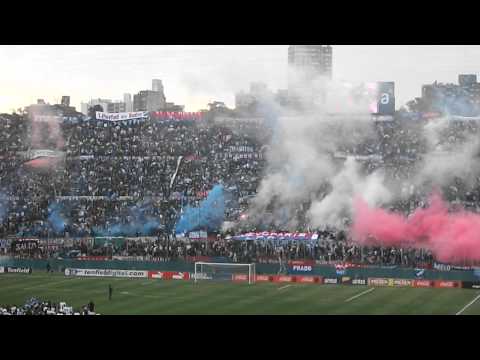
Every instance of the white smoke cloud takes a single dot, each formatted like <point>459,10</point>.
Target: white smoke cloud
<point>447,156</point>
<point>337,206</point>
<point>301,162</point>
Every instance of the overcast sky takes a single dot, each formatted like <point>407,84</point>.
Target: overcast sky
<point>196,75</point>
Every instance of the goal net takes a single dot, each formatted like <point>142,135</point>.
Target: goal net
<point>224,271</point>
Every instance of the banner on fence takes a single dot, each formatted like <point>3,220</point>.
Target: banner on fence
<point>359,281</point>
<point>423,283</point>
<point>169,275</point>
<point>329,280</point>
<point>106,273</point>
<point>121,116</point>
<point>447,284</point>
<point>263,278</point>
<point>17,270</point>
<point>239,277</point>
<point>93,258</point>
<point>448,267</point>
<point>378,281</point>
<point>276,236</point>
<point>25,244</point>
<point>301,266</point>
<point>471,284</point>
<point>282,278</point>
<point>307,279</point>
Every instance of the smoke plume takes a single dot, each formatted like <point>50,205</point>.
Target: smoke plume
<point>4,206</point>
<point>451,153</point>
<point>208,216</point>
<point>336,208</point>
<point>451,235</point>
<point>57,218</point>
<point>301,165</point>
<point>139,220</point>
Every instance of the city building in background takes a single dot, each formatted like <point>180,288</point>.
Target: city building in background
<point>462,99</point>
<point>107,105</point>
<point>42,108</point>
<point>250,102</point>
<point>157,85</point>
<point>145,100</point>
<point>127,99</point>
<point>116,107</point>
<point>102,102</point>
<point>309,69</point>
<point>66,101</point>
<point>148,100</point>
<point>172,107</point>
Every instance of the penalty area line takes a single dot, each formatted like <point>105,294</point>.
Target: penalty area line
<point>358,295</point>
<point>468,305</point>
<point>284,287</point>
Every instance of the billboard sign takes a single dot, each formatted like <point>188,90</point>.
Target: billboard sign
<point>386,98</point>
<point>106,273</point>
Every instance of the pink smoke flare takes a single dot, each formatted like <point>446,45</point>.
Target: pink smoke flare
<point>451,236</point>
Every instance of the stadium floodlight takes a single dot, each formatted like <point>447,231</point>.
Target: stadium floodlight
<point>223,271</point>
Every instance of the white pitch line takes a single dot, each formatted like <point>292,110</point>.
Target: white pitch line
<point>468,305</point>
<point>358,295</point>
<point>284,287</point>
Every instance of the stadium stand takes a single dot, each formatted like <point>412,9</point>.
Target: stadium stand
<point>144,172</point>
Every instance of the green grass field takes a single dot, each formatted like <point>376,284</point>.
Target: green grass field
<point>145,296</point>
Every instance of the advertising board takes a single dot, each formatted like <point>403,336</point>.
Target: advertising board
<point>106,273</point>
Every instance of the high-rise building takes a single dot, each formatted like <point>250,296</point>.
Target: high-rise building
<point>467,79</point>
<point>148,100</point>
<point>66,101</point>
<point>127,99</point>
<point>170,106</point>
<point>250,102</point>
<point>116,107</point>
<point>157,85</point>
<point>102,102</point>
<point>84,108</point>
<point>462,99</point>
<point>310,67</point>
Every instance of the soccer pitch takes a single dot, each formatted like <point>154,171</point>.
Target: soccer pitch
<point>150,297</point>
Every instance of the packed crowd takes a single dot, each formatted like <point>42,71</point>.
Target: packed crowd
<point>133,179</point>
<point>330,247</point>
<point>112,170</point>
<point>35,306</point>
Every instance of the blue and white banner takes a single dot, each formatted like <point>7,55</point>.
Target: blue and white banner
<point>121,116</point>
<point>276,236</point>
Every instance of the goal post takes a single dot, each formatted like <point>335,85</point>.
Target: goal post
<point>223,271</point>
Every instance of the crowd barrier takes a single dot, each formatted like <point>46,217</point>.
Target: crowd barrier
<point>324,271</point>
<point>375,282</point>
<point>300,279</point>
